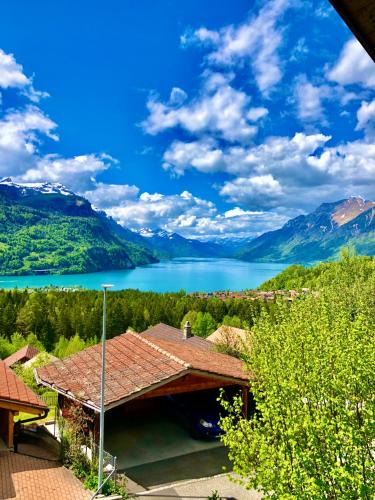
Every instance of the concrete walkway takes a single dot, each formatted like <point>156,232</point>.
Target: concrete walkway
<point>200,490</point>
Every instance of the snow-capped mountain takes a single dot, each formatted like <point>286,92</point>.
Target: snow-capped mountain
<point>319,235</point>
<point>29,188</point>
<point>170,245</point>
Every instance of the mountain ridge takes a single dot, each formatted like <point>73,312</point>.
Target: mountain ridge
<point>318,235</point>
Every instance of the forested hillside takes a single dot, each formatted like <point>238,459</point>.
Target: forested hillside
<point>316,277</point>
<point>60,232</point>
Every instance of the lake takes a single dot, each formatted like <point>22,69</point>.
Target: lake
<point>189,274</point>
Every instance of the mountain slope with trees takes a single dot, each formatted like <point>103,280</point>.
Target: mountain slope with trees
<point>47,228</point>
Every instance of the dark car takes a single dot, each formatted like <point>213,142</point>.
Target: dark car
<point>200,414</point>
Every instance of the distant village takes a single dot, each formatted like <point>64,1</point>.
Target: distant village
<point>252,294</point>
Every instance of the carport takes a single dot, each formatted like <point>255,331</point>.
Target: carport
<point>140,369</point>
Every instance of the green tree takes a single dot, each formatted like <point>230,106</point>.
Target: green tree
<point>313,435</point>
<point>204,325</point>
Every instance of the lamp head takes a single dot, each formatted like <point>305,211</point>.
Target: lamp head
<point>106,286</point>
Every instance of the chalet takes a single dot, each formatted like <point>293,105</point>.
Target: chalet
<point>15,397</point>
<point>160,361</point>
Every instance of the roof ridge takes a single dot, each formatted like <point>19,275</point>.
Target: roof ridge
<point>159,349</point>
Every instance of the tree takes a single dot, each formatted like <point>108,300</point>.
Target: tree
<point>204,325</point>
<point>312,436</point>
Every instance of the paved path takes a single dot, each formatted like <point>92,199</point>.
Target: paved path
<point>28,478</point>
<point>200,490</point>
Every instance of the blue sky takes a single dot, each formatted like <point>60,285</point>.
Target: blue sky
<point>207,118</point>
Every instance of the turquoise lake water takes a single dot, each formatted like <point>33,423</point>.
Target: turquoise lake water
<point>189,274</point>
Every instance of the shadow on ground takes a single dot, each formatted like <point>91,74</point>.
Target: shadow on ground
<point>182,468</point>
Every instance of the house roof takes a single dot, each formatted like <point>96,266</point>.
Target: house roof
<point>14,390</point>
<point>135,364</point>
<point>359,15</point>
<point>28,352</point>
<point>227,335</point>
<point>162,331</point>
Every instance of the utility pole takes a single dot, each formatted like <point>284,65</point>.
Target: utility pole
<point>101,435</point>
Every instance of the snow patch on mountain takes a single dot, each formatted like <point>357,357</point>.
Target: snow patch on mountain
<point>28,188</point>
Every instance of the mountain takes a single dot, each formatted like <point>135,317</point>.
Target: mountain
<point>168,245</point>
<point>318,235</point>
<point>47,228</point>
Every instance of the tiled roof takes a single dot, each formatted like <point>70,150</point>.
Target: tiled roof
<point>162,331</point>
<point>28,352</point>
<point>134,364</point>
<point>14,390</point>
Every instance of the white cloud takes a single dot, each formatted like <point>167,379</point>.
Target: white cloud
<point>219,109</point>
<point>283,156</point>
<point>257,191</point>
<point>354,66</point>
<point>111,195</point>
<point>12,75</point>
<point>21,131</point>
<point>78,173</point>
<point>255,114</point>
<point>255,42</point>
<point>184,213</point>
<point>202,155</point>
<point>309,99</point>
<point>366,117</point>
<point>238,212</point>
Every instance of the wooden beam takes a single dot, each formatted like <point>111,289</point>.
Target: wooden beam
<point>187,383</point>
<point>7,405</point>
<point>10,429</point>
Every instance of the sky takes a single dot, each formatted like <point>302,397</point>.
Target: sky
<point>211,119</point>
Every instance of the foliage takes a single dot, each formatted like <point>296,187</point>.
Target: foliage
<point>109,488</point>
<point>297,277</point>
<point>65,347</point>
<point>202,323</point>
<point>214,496</point>
<point>313,433</point>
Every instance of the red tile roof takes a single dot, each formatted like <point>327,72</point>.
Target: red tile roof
<point>14,390</point>
<point>135,364</point>
<point>25,353</point>
<point>166,332</point>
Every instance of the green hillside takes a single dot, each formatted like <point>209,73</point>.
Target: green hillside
<point>63,235</point>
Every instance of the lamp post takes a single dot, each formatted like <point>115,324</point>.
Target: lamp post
<point>101,435</point>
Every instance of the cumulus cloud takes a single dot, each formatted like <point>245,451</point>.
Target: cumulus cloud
<point>366,118</point>
<point>257,191</point>
<point>219,109</point>
<point>354,66</point>
<point>78,173</point>
<point>255,43</point>
<point>12,75</point>
<point>283,171</point>
<point>21,132</point>
<point>158,210</point>
<point>184,213</point>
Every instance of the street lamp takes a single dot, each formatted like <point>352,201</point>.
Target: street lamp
<point>101,435</point>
